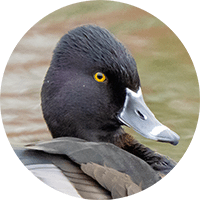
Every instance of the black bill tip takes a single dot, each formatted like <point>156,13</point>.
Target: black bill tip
<point>168,136</point>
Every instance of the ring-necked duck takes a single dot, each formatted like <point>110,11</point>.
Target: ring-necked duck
<point>91,89</point>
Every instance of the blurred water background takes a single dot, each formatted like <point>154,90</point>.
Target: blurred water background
<point>168,78</point>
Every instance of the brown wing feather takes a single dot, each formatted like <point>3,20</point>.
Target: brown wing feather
<point>119,184</point>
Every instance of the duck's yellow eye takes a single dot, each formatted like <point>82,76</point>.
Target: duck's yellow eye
<point>100,77</point>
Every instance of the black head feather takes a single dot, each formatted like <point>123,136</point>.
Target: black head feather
<point>99,46</point>
<point>73,103</point>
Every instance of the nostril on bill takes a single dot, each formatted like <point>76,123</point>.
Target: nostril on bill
<point>143,117</point>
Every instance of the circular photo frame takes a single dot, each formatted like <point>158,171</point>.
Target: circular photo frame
<point>100,99</point>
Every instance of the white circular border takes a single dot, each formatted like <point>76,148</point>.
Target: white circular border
<point>17,17</point>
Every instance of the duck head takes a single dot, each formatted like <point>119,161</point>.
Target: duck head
<point>92,88</point>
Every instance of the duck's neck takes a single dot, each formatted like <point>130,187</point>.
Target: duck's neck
<point>126,142</point>
<point>130,144</point>
<point>158,162</point>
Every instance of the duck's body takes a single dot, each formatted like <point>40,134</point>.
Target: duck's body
<point>92,88</point>
<point>90,170</point>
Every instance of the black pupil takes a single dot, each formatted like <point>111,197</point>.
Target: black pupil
<point>99,76</point>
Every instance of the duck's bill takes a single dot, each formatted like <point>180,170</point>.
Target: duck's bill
<point>138,116</point>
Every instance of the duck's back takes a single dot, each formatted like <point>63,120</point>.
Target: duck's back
<point>60,173</point>
<point>88,169</point>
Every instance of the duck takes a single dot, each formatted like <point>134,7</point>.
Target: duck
<point>90,92</point>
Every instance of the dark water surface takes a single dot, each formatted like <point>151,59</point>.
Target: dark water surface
<point>168,78</point>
